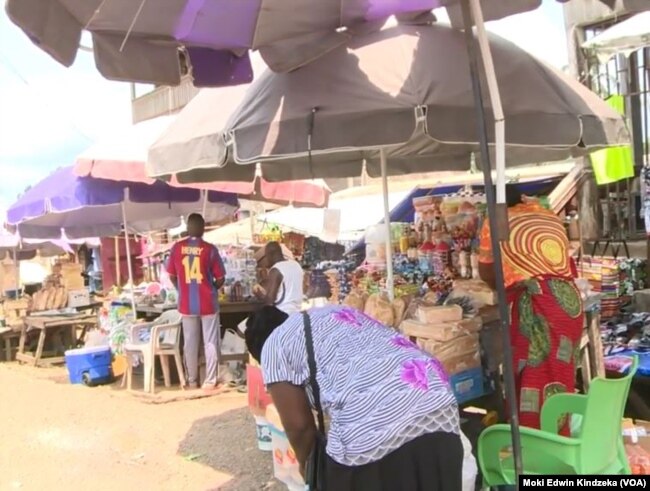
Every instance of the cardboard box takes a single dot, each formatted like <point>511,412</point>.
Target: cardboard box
<point>71,276</point>
<point>476,290</point>
<point>468,343</point>
<point>636,435</point>
<point>461,362</point>
<point>78,298</point>
<point>441,332</point>
<point>438,314</point>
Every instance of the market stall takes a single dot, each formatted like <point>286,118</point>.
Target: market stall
<point>440,302</point>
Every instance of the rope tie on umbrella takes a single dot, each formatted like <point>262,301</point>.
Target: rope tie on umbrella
<point>310,132</point>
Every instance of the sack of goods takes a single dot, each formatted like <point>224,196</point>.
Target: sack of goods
<point>444,333</point>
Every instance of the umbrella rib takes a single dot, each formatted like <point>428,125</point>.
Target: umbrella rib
<point>95,14</point>
<point>135,19</point>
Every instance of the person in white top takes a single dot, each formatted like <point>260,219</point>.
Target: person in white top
<point>284,286</point>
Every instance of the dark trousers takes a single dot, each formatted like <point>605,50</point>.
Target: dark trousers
<point>432,462</point>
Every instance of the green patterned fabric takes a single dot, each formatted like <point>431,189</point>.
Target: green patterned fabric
<point>534,326</point>
<point>567,297</point>
<point>539,342</point>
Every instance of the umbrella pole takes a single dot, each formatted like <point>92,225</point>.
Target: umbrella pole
<point>390,283</point>
<point>504,313</point>
<point>16,272</point>
<point>495,99</point>
<point>118,272</point>
<point>128,258</point>
<point>204,209</point>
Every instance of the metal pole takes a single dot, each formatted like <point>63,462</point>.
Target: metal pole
<point>504,312</point>
<point>495,99</point>
<point>390,284</point>
<point>128,257</point>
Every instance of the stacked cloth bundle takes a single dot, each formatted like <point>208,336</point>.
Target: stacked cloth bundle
<point>603,273</point>
<point>624,336</point>
<point>626,331</point>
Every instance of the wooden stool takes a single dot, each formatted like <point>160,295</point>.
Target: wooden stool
<point>11,340</point>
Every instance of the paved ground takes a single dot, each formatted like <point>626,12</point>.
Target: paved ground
<point>56,436</point>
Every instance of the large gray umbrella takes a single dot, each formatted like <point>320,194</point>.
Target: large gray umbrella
<point>156,41</point>
<point>405,90</point>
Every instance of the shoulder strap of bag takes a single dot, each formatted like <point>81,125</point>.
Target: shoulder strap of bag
<point>311,361</point>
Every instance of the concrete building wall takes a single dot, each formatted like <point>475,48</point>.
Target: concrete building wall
<point>583,19</point>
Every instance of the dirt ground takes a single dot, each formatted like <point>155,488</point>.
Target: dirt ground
<point>56,436</point>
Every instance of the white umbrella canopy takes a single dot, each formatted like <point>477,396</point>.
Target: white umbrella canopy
<point>625,37</point>
<point>327,118</point>
<point>121,155</point>
<point>356,215</point>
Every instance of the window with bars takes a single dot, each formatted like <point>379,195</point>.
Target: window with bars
<point>628,77</point>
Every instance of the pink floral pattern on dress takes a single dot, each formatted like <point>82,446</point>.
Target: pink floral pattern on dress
<point>414,373</point>
<point>347,316</point>
<point>402,342</point>
<point>437,367</point>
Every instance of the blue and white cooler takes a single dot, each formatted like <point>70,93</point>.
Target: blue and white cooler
<point>89,366</point>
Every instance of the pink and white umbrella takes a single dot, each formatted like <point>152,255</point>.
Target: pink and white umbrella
<point>122,157</point>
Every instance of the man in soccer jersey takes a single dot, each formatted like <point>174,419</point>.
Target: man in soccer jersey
<point>197,270</point>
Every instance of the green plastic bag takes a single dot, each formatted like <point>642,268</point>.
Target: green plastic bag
<point>615,163</point>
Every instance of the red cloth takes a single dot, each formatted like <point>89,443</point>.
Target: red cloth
<point>537,379</point>
<point>197,264</point>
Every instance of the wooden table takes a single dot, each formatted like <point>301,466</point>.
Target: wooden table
<point>48,325</point>
<point>8,335</point>
<point>225,308</point>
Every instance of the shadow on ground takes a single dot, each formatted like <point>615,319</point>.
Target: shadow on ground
<point>227,443</point>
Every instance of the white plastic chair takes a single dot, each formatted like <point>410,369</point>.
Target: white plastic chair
<point>164,341</point>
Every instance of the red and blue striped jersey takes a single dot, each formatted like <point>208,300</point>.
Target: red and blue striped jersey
<point>196,265</point>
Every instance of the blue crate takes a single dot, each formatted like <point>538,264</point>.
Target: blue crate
<point>468,385</point>
<point>89,366</point>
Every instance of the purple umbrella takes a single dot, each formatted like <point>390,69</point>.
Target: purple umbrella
<point>64,205</point>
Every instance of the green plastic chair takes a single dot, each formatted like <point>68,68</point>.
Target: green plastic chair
<point>596,449</point>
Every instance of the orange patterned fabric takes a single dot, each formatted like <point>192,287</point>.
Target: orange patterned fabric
<point>538,245</point>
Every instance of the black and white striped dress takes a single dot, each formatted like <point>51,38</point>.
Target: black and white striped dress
<point>378,388</point>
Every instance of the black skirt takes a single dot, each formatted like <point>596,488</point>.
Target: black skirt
<point>432,462</point>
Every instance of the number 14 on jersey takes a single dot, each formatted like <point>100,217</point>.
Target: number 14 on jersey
<point>192,267</point>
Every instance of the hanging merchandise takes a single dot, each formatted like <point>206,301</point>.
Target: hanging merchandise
<point>241,274</point>
<point>615,163</point>
<point>645,186</point>
<point>295,242</point>
<point>316,251</point>
<point>441,259</point>
<point>269,233</point>
<point>319,286</point>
